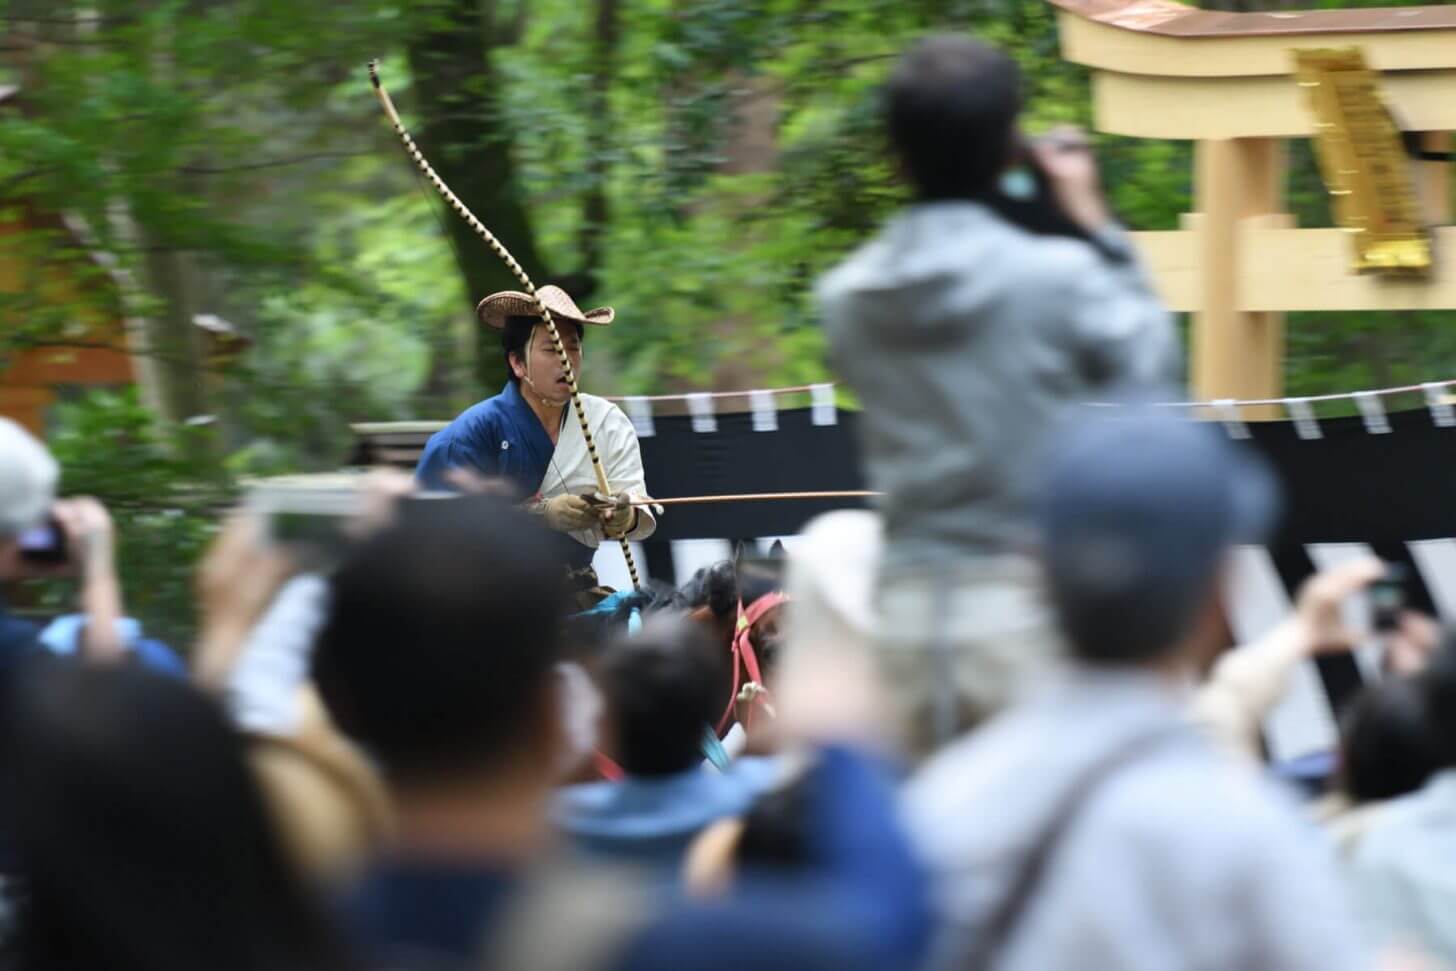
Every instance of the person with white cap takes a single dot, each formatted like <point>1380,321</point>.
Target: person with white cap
<point>526,435</point>
<point>80,527</point>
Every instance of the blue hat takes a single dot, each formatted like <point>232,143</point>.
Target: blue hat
<point>1146,504</point>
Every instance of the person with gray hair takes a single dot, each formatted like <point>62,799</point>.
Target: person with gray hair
<point>83,528</point>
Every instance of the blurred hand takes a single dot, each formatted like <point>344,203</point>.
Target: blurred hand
<point>568,513</point>
<point>236,582</point>
<point>472,483</point>
<point>381,492</point>
<point>1410,647</point>
<point>90,535</point>
<point>1065,157</point>
<point>1319,606</point>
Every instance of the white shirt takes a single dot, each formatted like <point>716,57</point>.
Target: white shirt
<point>570,469</point>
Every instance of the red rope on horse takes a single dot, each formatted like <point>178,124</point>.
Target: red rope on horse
<point>744,656</point>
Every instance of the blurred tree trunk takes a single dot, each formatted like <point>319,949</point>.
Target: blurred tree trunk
<point>462,132</point>
<point>173,376</point>
<point>165,344</point>
<point>596,207</point>
<point>750,146</point>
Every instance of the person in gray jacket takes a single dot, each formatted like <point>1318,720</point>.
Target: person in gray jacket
<point>1092,824</point>
<point>1003,295</point>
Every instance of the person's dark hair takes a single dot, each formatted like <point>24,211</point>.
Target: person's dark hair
<point>715,587</point>
<point>1126,624</point>
<point>1439,679</point>
<point>950,109</point>
<point>1387,744</point>
<point>663,688</point>
<point>442,630</point>
<point>517,331</point>
<point>141,836</point>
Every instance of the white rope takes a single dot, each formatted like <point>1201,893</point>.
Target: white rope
<point>1428,388</point>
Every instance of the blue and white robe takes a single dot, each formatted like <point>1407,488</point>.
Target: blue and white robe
<point>501,437</point>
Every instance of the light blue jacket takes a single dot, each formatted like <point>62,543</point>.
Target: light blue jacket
<point>652,820</point>
<point>1404,869</point>
<point>1182,859</point>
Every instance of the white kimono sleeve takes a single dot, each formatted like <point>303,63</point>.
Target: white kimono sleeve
<point>622,456</point>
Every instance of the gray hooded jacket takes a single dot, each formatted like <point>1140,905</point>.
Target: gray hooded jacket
<point>1177,859</point>
<point>965,338</point>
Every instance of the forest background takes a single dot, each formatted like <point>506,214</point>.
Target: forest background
<point>695,163</point>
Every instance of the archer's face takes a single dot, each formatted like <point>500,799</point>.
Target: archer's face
<point>545,364</point>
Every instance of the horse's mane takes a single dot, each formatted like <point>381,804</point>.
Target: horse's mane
<point>714,587</point>
<point>590,631</point>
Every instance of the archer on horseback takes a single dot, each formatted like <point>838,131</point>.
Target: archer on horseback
<point>523,434</point>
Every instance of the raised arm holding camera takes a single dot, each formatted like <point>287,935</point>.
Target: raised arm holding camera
<point>1003,295</point>
<point>42,537</point>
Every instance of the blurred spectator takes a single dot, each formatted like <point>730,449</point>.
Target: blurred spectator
<point>829,580</point>
<point>1403,866</point>
<point>438,655</point>
<point>85,547</point>
<point>1387,750</point>
<point>1388,746</point>
<point>663,688</point>
<point>1004,294</point>
<point>1092,826</point>
<point>1247,682</point>
<point>260,620</point>
<point>142,837</point>
<point>772,835</point>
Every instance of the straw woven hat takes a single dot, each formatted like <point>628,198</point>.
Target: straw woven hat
<point>494,309</point>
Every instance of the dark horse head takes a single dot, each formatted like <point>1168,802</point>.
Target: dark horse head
<point>711,597</point>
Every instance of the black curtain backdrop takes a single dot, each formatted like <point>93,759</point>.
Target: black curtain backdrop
<point>1348,486</point>
<point>798,457</point>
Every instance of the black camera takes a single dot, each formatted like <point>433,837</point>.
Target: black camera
<point>1388,599</point>
<point>44,545</point>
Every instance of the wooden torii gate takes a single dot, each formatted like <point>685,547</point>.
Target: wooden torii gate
<point>1227,81</point>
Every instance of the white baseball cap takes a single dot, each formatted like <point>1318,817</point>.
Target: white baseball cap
<point>28,475</point>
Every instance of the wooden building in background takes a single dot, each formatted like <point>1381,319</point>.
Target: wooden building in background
<point>47,266</point>
<point>61,275</point>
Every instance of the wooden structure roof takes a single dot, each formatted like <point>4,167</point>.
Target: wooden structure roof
<point>1165,18</point>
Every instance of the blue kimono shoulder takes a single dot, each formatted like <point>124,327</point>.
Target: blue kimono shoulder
<point>500,437</point>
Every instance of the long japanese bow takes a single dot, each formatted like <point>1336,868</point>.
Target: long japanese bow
<point>520,274</point>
